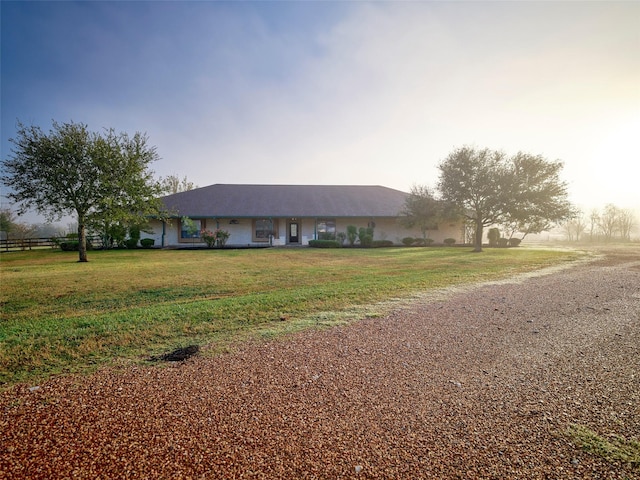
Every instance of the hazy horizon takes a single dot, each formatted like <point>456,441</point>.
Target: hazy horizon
<point>367,93</point>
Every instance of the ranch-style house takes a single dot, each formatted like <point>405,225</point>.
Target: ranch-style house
<point>281,215</point>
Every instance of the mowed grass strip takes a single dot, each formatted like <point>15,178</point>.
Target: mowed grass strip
<point>58,315</point>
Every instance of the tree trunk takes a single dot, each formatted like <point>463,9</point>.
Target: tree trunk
<point>82,240</point>
<point>478,239</point>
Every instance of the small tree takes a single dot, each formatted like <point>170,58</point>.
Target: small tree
<point>422,210</point>
<point>352,234</point>
<point>608,221</point>
<point>173,184</point>
<point>594,220</point>
<point>626,222</point>
<point>574,228</point>
<point>6,223</point>
<point>23,231</point>
<point>20,231</point>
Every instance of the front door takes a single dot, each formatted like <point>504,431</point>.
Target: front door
<point>294,228</point>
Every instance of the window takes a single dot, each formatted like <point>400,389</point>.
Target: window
<point>190,229</point>
<point>326,228</point>
<point>263,227</point>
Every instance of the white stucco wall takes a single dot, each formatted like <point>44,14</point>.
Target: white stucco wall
<point>241,232</point>
<point>157,233</point>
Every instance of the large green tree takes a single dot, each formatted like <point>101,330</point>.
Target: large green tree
<point>474,181</point>
<point>490,188</point>
<point>73,171</point>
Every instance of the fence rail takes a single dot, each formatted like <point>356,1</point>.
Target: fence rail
<point>7,245</point>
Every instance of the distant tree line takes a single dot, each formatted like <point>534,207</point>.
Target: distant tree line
<point>607,225</point>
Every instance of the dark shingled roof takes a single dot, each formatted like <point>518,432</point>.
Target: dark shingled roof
<point>223,200</point>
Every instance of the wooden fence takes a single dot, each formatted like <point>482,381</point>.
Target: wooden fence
<point>10,244</point>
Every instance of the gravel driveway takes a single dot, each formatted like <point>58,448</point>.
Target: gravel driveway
<point>481,383</point>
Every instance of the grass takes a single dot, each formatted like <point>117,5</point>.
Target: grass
<point>60,316</point>
<point>613,449</point>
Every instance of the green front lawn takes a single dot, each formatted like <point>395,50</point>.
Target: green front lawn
<point>59,315</point>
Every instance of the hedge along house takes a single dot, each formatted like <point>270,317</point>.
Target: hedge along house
<point>280,215</point>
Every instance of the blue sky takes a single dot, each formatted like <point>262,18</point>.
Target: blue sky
<point>337,92</point>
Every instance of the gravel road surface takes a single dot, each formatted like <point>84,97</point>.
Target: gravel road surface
<point>482,382</point>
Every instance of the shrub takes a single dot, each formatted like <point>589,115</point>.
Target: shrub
<point>147,242</point>
<point>71,246</point>
<point>221,237</point>
<point>209,238</point>
<point>74,245</point>
<point>365,235</point>
<point>382,243</point>
<point>449,241</point>
<point>408,241</point>
<point>217,238</point>
<point>503,242</point>
<point>423,242</point>
<point>341,237</point>
<point>352,234</point>
<point>134,234</point>
<point>514,242</point>
<point>326,236</point>
<point>131,242</point>
<point>324,244</point>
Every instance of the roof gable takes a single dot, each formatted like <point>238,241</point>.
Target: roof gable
<point>229,200</point>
